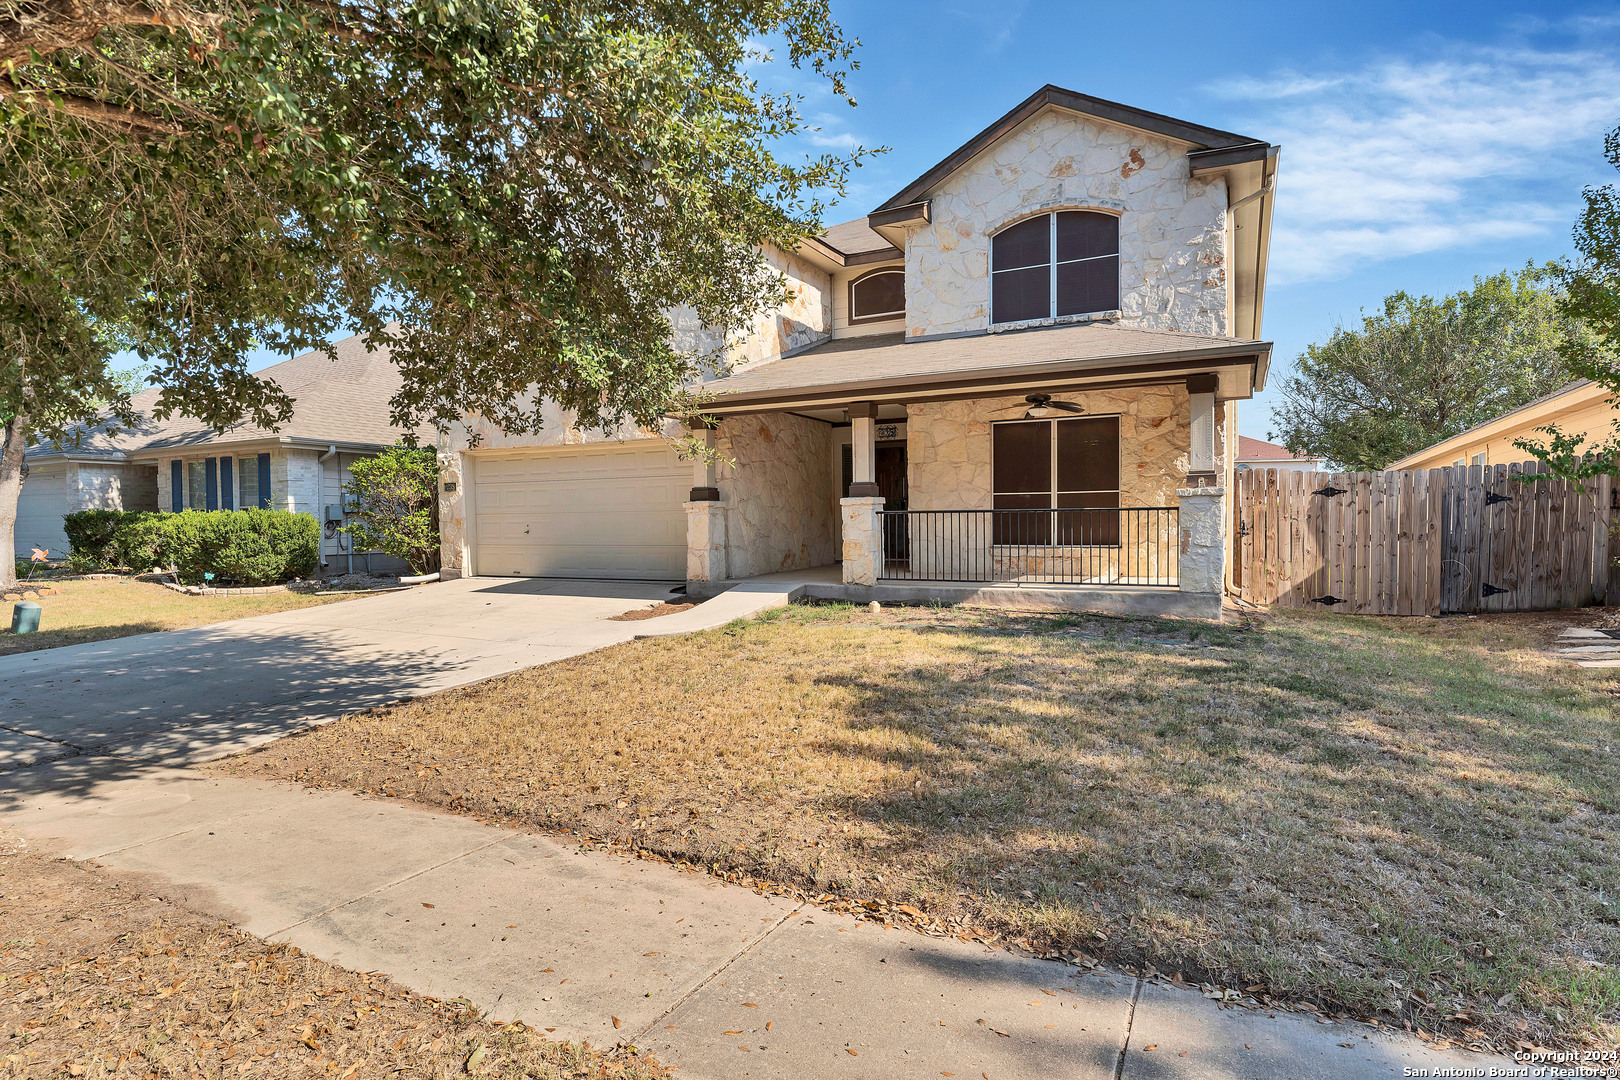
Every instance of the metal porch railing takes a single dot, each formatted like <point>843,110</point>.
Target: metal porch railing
<point>1095,546</point>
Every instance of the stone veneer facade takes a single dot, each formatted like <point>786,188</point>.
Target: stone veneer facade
<point>776,493</point>
<point>1172,226</point>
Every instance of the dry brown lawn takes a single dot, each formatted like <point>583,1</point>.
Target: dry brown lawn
<point>103,979</point>
<point>96,610</point>
<point>1417,820</point>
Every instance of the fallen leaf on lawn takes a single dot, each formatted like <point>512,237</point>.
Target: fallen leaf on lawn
<point>615,1021</point>
<point>475,1058</point>
<point>549,1030</point>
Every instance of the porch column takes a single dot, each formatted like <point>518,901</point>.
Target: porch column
<point>1201,555</point>
<point>705,514</point>
<point>863,450</point>
<point>704,468</point>
<point>1201,456</point>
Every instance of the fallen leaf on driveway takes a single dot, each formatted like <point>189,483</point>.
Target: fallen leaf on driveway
<point>768,1024</point>
<point>649,954</point>
<point>733,1033</point>
<point>749,1005</point>
<point>1150,1046</point>
<point>850,1052</point>
<point>615,1021</point>
<point>427,905</point>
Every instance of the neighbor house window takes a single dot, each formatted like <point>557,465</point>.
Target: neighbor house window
<point>196,485</point>
<point>1045,267</point>
<point>1067,468</point>
<point>878,295</point>
<point>248,470</point>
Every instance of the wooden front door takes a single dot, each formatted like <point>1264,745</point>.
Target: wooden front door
<point>890,467</point>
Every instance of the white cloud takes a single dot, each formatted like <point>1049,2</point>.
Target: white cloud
<point>1406,156</point>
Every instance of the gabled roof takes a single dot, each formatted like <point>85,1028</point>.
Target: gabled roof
<point>1570,394</point>
<point>1260,450</point>
<point>1228,144</point>
<point>334,401</point>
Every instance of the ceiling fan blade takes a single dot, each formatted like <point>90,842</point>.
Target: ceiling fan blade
<point>1067,406</point>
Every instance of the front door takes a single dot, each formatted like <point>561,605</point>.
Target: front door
<point>891,481</point>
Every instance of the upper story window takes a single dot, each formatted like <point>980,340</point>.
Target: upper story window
<point>880,294</point>
<point>1027,282</point>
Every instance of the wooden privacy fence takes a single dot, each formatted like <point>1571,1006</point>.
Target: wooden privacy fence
<point>1460,539</point>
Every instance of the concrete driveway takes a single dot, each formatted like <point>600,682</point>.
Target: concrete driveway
<point>190,695</point>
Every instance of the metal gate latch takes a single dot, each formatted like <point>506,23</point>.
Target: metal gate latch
<point>1487,589</point>
<point>1492,498</point>
<point>1329,600</point>
<point>1330,491</point>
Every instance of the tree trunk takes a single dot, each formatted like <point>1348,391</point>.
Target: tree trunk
<point>11,462</point>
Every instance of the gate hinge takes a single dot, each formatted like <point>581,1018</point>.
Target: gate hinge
<point>1329,600</point>
<point>1487,589</point>
<point>1330,491</point>
<point>1492,498</point>
<point>1243,528</point>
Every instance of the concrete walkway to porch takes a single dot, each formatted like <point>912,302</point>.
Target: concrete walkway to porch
<point>717,980</point>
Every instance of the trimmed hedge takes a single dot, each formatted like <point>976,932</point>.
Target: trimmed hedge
<point>109,538</point>
<point>242,547</point>
<point>247,547</point>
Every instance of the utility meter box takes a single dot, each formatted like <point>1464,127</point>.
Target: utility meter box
<point>334,512</point>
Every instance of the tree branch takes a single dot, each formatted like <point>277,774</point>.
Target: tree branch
<point>97,112</point>
<point>46,26</point>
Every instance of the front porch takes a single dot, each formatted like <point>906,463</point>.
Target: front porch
<point>1106,501</point>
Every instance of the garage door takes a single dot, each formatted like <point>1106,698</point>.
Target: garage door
<point>611,511</point>
<point>40,508</point>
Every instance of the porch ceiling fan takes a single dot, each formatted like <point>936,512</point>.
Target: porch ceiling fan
<point>1042,407</point>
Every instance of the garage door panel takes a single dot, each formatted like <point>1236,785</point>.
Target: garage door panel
<point>599,511</point>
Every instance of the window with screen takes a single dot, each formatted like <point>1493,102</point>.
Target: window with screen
<point>878,295</point>
<point>248,470</point>
<point>196,485</point>
<point>1056,480</point>
<point>1059,264</point>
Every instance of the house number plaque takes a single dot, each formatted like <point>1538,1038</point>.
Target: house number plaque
<point>888,431</point>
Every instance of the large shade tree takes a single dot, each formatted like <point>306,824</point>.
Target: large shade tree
<point>509,193</point>
<point>1421,370</point>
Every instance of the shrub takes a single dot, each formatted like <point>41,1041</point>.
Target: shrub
<point>246,547</point>
<point>93,536</point>
<point>396,505</point>
<point>101,539</point>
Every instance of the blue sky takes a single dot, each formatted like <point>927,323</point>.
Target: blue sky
<point>1423,143</point>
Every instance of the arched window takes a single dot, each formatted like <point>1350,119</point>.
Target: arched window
<point>878,295</point>
<point>1026,282</point>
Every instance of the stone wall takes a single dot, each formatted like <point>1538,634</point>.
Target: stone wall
<point>1172,226</point>
<point>777,493</point>
<point>453,557</point>
<point>111,486</point>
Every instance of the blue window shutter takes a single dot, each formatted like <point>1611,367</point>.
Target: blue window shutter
<point>227,489</point>
<point>177,487</point>
<point>211,482</point>
<point>264,481</point>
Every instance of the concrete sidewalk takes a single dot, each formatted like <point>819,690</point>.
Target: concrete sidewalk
<point>716,979</point>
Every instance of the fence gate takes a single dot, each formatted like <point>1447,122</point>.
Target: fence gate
<point>1423,542</point>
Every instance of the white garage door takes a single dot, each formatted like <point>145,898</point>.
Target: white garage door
<point>40,508</point>
<point>609,511</point>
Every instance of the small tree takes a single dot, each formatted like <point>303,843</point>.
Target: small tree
<point>1421,370</point>
<point>396,506</point>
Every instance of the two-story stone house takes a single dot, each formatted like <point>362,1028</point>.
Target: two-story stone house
<point>1022,371</point>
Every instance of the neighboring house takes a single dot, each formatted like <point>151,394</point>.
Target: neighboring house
<point>890,416</point>
<point>1580,408</point>
<point>1258,454</point>
<point>340,415</point>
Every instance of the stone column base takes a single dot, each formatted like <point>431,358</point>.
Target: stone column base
<point>1201,557</point>
<point>705,541</point>
<point>863,540</point>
